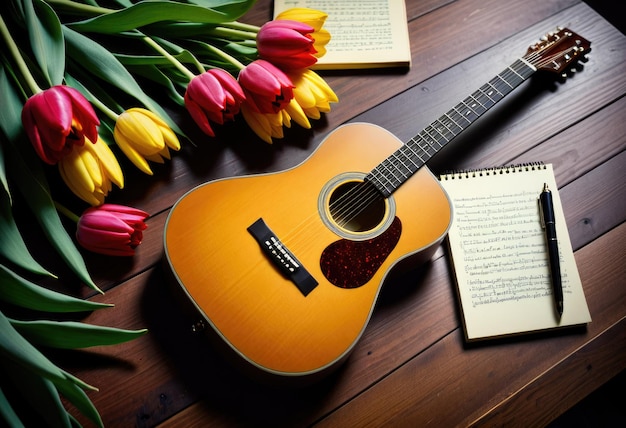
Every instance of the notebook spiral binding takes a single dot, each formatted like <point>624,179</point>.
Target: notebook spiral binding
<point>498,170</point>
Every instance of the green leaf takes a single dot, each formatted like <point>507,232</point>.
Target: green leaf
<point>149,12</point>
<point>38,394</point>
<point>3,176</point>
<point>17,349</point>
<point>158,76</point>
<point>29,178</point>
<point>233,8</point>
<point>10,122</point>
<point>46,39</point>
<point>103,64</point>
<point>21,292</point>
<point>13,247</point>
<point>7,414</point>
<point>79,399</point>
<point>12,104</point>
<point>71,334</point>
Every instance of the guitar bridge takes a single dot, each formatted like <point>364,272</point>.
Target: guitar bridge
<point>281,257</point>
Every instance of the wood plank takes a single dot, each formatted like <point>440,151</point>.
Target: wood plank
<point>236,151</point>
<point>388,340</point>
<point>174,376</point>
<point>589,367</point>
<point>527,117</point>
<point>420,392</point>
<point>532,116</point>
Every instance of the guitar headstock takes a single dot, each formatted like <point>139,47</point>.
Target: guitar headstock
<point>557,51</point>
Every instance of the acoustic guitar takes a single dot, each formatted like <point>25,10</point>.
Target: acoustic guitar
<point>285,268</point>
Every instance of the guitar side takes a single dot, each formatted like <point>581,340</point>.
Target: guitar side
<point>257,311</point>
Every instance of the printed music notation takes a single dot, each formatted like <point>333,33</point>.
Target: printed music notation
<point>366,32</point>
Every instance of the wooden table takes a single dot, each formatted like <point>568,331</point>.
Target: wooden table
<point>412,367</point>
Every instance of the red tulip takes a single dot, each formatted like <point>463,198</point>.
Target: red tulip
<point>213,96</point>
<point>114,230</point>
<point>267,89</point>
<point>287,44</point>
<point>56,119</point>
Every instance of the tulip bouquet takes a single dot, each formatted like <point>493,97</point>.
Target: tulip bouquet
<point>76,87</point>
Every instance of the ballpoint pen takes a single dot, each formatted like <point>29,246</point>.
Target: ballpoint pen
<point>549,225</point>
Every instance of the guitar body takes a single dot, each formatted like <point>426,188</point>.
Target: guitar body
<point>286,268</point>
<point>258,311</point>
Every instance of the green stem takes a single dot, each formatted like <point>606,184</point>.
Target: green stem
<point>80,8</point>
<point>104,108</point>
<point>66,212</point>
<point>21,64</point>
<point>229,33</point>
<point>169,57</point>
<point>236,25</point>
<point>220,53</point>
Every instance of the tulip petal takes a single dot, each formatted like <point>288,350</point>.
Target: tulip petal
<point>108,161</point>
<point>295,111</point>
<point>135,157</point>
<point>199,116</point>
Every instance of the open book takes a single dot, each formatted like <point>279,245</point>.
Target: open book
<point>364,33</point>
<point>498,251</point>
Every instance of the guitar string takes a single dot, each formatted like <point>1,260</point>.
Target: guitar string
<point>345,217</point>
<point>357,199</point>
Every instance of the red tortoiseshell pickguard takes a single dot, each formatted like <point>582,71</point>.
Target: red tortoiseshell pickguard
<point>351,264</point>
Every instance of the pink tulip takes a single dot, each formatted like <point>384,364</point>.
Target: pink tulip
<point>267,89</point>
<point>114,230</point>
<point>56,119</point>
<point>287,44</point>
<point>213,96</point>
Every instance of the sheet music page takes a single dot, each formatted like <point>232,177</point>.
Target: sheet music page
<point>499,253</point>
<point>364,33</point>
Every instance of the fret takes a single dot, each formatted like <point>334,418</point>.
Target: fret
<point>390,175</point>
<point>495,92</point>
<point>523,68</point>
<point>465,115</point>
<point>426,146</point>
<point>512,78</point>
<point>400,165</point>
<point>414,146</point>
<point>468,112</point>
<point>487,96</point>
<point>475,104</point>
<point>449,123</point>
<point>408,154</point>
<point>408,159</point>
<point>501,85</point>
<point>377,179</point>
<point>443,129</point>
<point>433,142</point>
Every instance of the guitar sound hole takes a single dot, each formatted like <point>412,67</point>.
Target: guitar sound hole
<point>357,206</point>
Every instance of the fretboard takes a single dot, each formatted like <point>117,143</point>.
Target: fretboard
<point>408,159</point>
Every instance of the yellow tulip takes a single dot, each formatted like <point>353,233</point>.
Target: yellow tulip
<point>89,171</point>
<point>266,125</point>
<point>313,18</point>
<point>311,97</point>
<point>143,136</point>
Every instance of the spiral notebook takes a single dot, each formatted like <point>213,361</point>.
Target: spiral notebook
<point>498,253</point>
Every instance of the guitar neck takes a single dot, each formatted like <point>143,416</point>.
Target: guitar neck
<point>408,159</point>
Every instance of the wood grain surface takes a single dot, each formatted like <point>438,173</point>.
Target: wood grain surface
<point>411,367</point>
